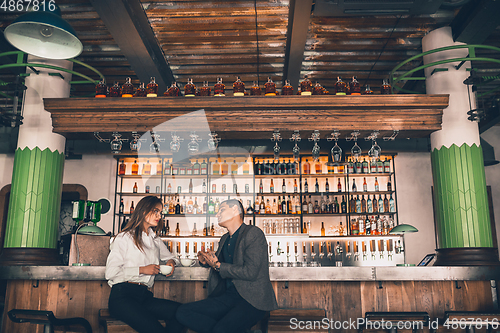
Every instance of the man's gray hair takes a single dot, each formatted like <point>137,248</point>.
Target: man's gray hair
<point>237,203</point>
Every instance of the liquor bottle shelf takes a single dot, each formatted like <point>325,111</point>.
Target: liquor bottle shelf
<point>383,174</point>
<point>276,176</point>
<point>139,176</point>
<point>276,194</point>
<point>185,176</point>
<point>131,194</point>
<point>184,215</point>
<point>221,194</point>
<point>325,214</point>
<point>376,213</point>
<point>249,176</point>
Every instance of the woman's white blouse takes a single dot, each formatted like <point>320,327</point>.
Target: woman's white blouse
<point>125,258</point>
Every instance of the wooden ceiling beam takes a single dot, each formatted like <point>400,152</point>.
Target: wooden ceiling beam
<point>298,27</point>
<point>128,24</point>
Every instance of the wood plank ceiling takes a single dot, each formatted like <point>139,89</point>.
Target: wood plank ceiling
<point>255,40</point>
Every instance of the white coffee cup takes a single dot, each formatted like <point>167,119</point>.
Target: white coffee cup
<point>186,262</point>
<point>165,269</point>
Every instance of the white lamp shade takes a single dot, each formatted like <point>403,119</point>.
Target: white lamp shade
<point>45,35</point>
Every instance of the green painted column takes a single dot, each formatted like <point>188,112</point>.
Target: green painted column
<point>463,225</point>
<point>35,197</point>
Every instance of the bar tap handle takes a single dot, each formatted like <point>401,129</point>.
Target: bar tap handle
<point>348,250</point>
<point>304,253</point>
<point>338,254</point>
<point>270,255</point>
<point>390,250</point>
<point>288,254</point>
<point>296,253</point>
<point>321,254</point>
<point>356,250</point>
<point>279,250</point>
<point>365,254</point>
<point>372,249</point>
<point>329,249</point>
<point>381,248</point>
<point>399,247</point>
<point>179,249</point>
<point>187,250</point>
<point>313,254</point>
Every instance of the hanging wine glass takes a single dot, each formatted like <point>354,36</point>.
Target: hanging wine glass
<point>375,150</point>
<point>296,149</point>
<point>154,147</point>
<point>336,152</point>
<point>116,143</point>
<point>135,143</point>
<point>193,145</point>
<point>276,150</point>
<point>356,150</point>
<point>175,144</point>
<point>315,152</point>
<point>213,141</point>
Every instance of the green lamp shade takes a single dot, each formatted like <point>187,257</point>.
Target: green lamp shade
<point>45,35</point>
<point>402,229</point>
<point>91,229</point>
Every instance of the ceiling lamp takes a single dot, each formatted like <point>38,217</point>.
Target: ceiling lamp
<point>44,34</point>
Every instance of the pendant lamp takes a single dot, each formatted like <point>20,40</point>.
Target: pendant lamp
<point>44,34</point>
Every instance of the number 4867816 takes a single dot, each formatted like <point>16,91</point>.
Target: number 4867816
<point>28,5</point>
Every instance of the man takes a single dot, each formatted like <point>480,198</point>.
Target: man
<point>239,289</point>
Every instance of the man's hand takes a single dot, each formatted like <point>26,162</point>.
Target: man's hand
<point>201,258</point>
<point>150,269</point>
<point>211,258</point>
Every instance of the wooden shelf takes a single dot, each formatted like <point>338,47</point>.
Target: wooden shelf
<point>251,117</point>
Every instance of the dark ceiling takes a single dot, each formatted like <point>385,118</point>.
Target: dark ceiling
<point>281,39</point>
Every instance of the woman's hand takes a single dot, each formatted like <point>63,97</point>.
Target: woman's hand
<point>150,269</point>
<point>172,264</point>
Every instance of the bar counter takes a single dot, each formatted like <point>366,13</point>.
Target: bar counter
<point>345,293</point>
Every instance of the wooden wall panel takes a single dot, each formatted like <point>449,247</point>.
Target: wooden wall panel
<point>341,300</point>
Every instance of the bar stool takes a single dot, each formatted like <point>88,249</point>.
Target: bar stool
<point>47,319</point>
<point>391,321</point>
<point>470,320</point>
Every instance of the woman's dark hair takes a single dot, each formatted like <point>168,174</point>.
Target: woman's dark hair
<point>135,226</point>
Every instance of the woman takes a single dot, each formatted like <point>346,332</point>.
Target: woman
<point>133,262</point>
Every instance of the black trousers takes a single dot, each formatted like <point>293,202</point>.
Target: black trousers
<point>136,306</point>
<point>227,313</point>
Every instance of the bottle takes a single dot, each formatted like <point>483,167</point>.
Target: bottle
<point>271,187</point>
<point>250,209</point>
<point>354,188</point>
<point>169,188</point>
<point>322,205</point>
<point>375,204</point>
<point>365,185</point>
<point>361,226</point>
<point>335,209</point>
<point>178,207</point>
<point>262,206</point>
<point>304,231</point>
<point>367,90</point>
<point>322,229</point>
<point>146,170</point>
<point>196,168</point>
<point>141,91</point>
<point>216,168</point>
<point>352,205</point>
<point>131,208</point>
<point>392,205</point>
<point>385,89</point>
<point>189,88</point>
<point>122,207</point>
<point>369,205</point>
<point>223,188</point>
<point>135,168</point>
<point>261,187</point>
<point>373,226</point>
<point>339,186</point>
<point>310,207</point>
<point>196,208</point>
<point>316,186</point>
<point>316,208</point>
<point>304,205</point>
<point>298,208</point>
<point>159,167</point>
<point>205,91</point>
<point>377,187</point>
<point>363,204</point>
<point>212,230</point>
<point>224,168</point>
<point>380,166</point>
<point>350,166</point>
<point>152,88</point>
<point>358,205</point>
<point>234,168</point>
<point>205,230</point>
<point>341,229</point>
<point>386,203</point>
<point>246,166</point>
<point>373,166</point>
<point>167,229</point>
<point>191,185</point>
<point>387,166</point>
<point>274,207</point>
<point>343,205</point>
<point>122,168</point>
<point>268,207</point>
<point>283,187</point>
<point>127,88</point>
<point>101,89</point>
<point>317,89</point>
<point>171,207</point>
<point>190,206</point>
<point>235,188</point>
<point>368,227</point>
<point>380,204</point>
<point>255,89</point>
<point>306,87</point>
<point>216,206</point>
<point>289,205</point>
<point>284,206</point>
<point>340,87</point>
<point>177,230</point>
<point>204,207</point>
<point>173,90</point>
<point>327,186</point>
<point>175,169</point>
<point>365,166</point>
<point>135,188</point>
<point>359,168</point>
<point>307,167</point>
<point>354,87</point>
<point>238,87</point>
<point>306,187</point>
<point>318,168</point>
<point>115,90</point>
<point>203,167</point>
<point>287,89</point>
<point>270,87</point>
<point>389,186</point>
<point>219,88</point>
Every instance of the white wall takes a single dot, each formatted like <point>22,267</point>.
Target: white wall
<point>6,166</point>
<point>413,185</point>
<point>492,136</point>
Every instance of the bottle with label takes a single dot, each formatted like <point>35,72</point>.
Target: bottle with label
<point>190,206</point>
<point>375,204</point>
<point>173,90</point>
<point>287,89</point>
<point>261,187</point>
<point>131,208</point>
<point>234,168</point>
<point>146,170</point>
<point>169,188</point>
<point>141,91</point>
<point>380,166</point>
<point>238,87</point>
<point>115,90</point>
<point>152,88</point>
<point>339,186</point>
<point>307,167</point>
<point>189,88</point>
<point>380,204</point>
<point>167,168</point>
<point>135,168</point>
<point>178,207</point>
<point>377,187</point>
<point>358,205</point>
<point>121,207</point>
<point>365,185</point>
<point>317,89</point>
<point>322,205</point>
<point>268,207</point>
<point>219,88</point>
<point>196,208</point>
<point>386,203</point>
<point>317,208</point>
<point>365,166</point>
<point>194,232</point>
<point>323,229</point>
<point>306,187</point>
<point>373,166</point>
<point>223,188</point>
<point>203,167</point>
<point>270,87</point>
<point>135,188</point>
<point>358,166</point>
<point>336,209</point>
<point>354,188</point>
<point>368,227</point>
<point>196,168</point>
<point>389,185</point>
<point>127,88</point>
<point>283,187</point>
<point>190,185</point>
<point>255,89</point>
<point>361,226</point>
<point>363,204</point>
<point>295,186</point>
<point>177,230</point>
<point>367,90</point>
<point>122,167</point>
<point>354,86</point>
<point>211,207</point>
<point>392,205</point>
<point>310,206</point>
<point>101,89</point>
<point>189,169</point>
<point>246,166</point>
<point>327,186</point>
<point>352,205</point>
<point>318,168</point>
<point>306,86</point>
<point>369,205</point>
<point>289,205</point>
<point>304,205</point>
<point>224,168</point>
<point>343,206</point>
<point>205,89</point>
<point>167,229</point>
<point>316,186</point>
<point>373,226</point>
<point>216,168</point>
<point>350,166</point>
<point>385,89</point>
<point>271,187</point>
<point>340,87</point>
<point>262,206</point>
<point>387,166</point>
<point>304,231</point>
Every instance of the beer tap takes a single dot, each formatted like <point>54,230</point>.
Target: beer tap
<point>372,249</point>
<point>278,253</point>
<point>381,248</point>
<point>348,250</point>
<point>399,247</point>
<point>365,254</point>
<point>187,250</point>
<point>304,253</point>
<point>390,249</point>
<point>338,253</point>
<point>321,254</point>
<point>313,254</point>
<point>179,250</point>
<point>271,264</point>
<point>356,251</point>
<point>288,263</point>
<point>329,249</point>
